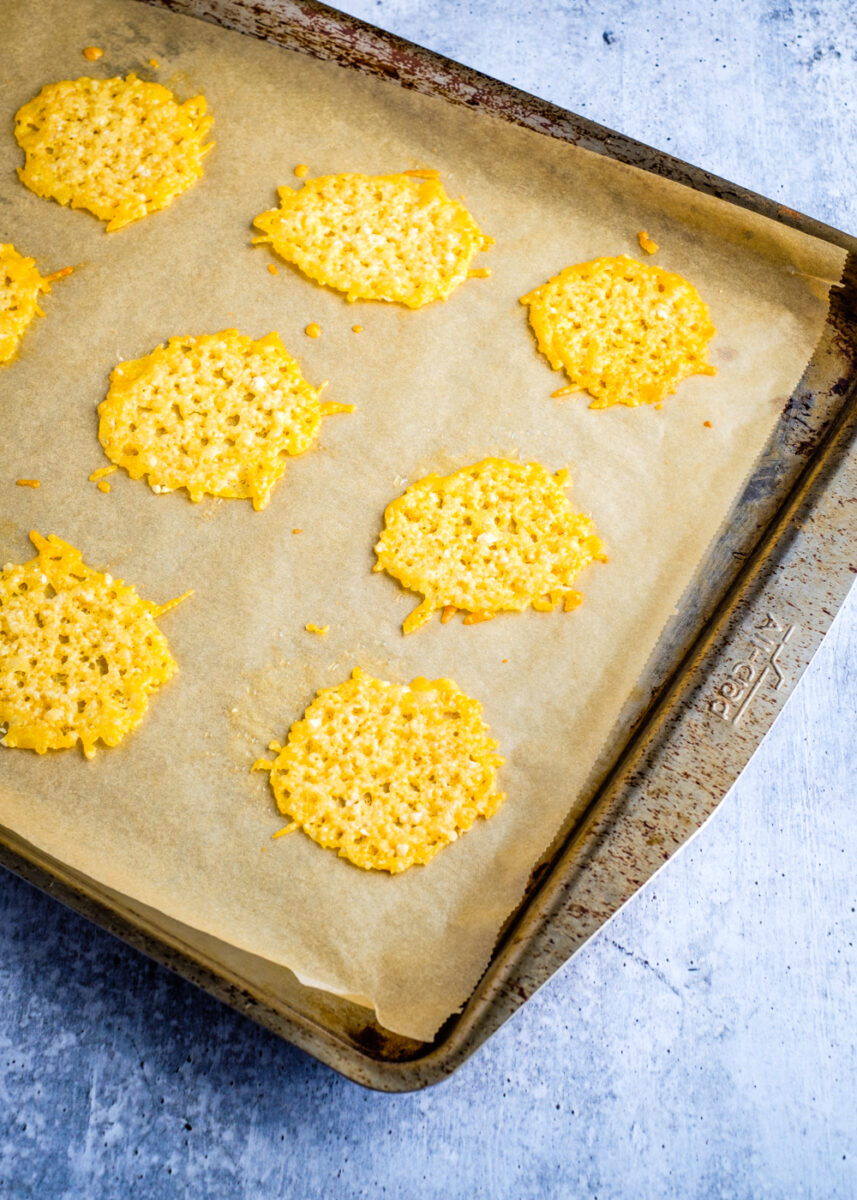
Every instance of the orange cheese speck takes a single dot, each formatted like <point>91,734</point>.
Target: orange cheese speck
<point>646,242</point>
<point>311,627</point>
<point>477,618</point>
<point>297,531</point>
<point>286,829</point>
<point>504,660</point>
<point>103,485</point>
<point>272,270</point>
<point>357,328</point>
<point>448,613</point>
<point>33,483</point>
<point>479,273</point>
<point>707,424</point>
<point>61,274</point>
<point>101,472</point>
<point>313,330</point>
<point>91,53</point>
<point>153,62</point>
<point>427,173</point>
<point>302,170</point>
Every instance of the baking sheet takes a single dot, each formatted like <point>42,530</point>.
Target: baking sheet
<point>173,818</point>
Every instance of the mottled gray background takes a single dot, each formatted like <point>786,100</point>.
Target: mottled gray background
<point>703,1045</point>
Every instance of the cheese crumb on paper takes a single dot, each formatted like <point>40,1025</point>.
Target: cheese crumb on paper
<point>101,472</point>
<point>20,288</point>
<point>495,536</point>
<point>120,148</point>
<point>386,774</point>
<point>375,237</point>
<point>646,243</point>
<point>80,652</point>
<point>624,331</point>
<point>219,414</point>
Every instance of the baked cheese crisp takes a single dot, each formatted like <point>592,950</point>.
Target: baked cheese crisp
<point>120,148</point>
<point>20,288</point>
<point>376,237</point>
<point>387,775</point>
<point>80,652</point>
<point>624,331</point>
<point>218,414</point>
<point>499,535</point>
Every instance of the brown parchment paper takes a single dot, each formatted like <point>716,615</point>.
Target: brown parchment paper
<point>173,818</point>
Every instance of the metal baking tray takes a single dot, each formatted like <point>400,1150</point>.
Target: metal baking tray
<point>748,626</point>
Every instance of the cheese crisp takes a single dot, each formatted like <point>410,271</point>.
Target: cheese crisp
<point>376,237</point>
<point>80,652</point>
<point>121,148</point>
<point>387,775</point>
<point>624,331</point>
<point>218,414</point>
<point>20,288</point>
<point>494,536</point>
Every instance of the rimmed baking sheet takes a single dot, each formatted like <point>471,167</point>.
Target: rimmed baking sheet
<point>432,392</point>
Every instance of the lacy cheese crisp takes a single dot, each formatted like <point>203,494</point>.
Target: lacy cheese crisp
<point>376,237</point>
<point>218,414</point>
<point>384,774</point>
<point>20,288</point>
<point>120,148</point>
<point>497,535</point>
<point>624,331</point>
<point>80,652</point>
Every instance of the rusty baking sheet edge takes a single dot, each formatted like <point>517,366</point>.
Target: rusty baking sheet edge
<point>623,837</point>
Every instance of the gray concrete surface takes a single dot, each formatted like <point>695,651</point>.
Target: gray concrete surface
<point>703,1045</point>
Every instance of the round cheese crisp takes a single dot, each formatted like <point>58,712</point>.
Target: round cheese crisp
<point>376,237</point>
<point>387,775</point>
<point>80,652</point>
<point>121,148</point>
<point>494,536</point>
<point>624,331</point>
<point>20,288</point>
<point>218,414</point>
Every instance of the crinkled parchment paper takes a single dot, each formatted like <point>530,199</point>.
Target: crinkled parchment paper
<point>173,818</point>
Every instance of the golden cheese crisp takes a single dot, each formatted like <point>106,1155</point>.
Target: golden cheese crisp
<point>387,775</point>
<point>494,536</point>
<point>376,237</point>
<point>120,148</point>
<point>80,652</point>
<point>217,414</point>
<point>624,331</point>
<point>20,288</point>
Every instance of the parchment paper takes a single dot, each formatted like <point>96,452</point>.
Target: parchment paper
<point>173,818</point>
